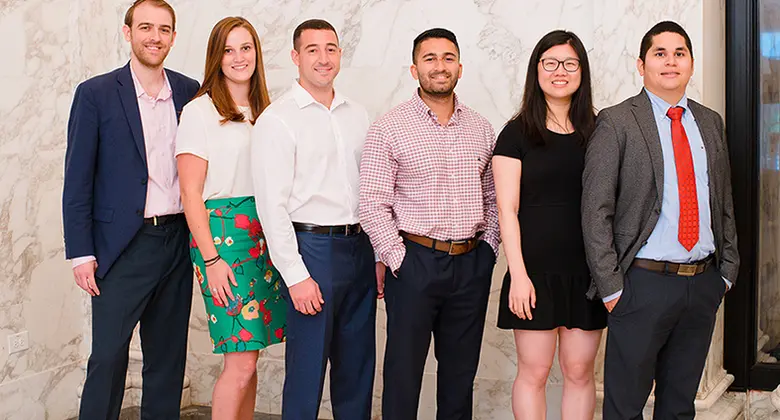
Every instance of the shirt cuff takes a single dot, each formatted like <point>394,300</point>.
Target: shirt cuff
<point>493,241</point>
<point>82,260</point>
<point>295,274</point>
<point>396,258</point>
<point>728,283</point>
<point>612,296</point>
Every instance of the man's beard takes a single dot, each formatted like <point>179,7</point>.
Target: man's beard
<point>430,89</point>
<point>140,53</point>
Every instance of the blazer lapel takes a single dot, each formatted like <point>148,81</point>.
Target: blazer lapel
<point>179,96</point>
<point>710,137</point>
<point>643,112</point>
<point>129,98</point>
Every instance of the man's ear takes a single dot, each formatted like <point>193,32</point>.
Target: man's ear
<point>296,57</point>
<point>126,31</point>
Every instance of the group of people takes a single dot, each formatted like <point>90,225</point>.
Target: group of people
<point>295,216</point>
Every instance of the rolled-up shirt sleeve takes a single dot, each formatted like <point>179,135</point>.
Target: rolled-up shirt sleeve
<point>273,169</point>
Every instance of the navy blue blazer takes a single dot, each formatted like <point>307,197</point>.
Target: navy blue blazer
<point>106,174</point>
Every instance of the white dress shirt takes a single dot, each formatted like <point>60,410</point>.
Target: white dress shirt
<point>305,168</point>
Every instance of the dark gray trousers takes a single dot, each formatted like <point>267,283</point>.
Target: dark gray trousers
<point>660,330</point>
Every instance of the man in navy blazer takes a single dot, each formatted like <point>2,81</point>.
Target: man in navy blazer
<point>124,227</point>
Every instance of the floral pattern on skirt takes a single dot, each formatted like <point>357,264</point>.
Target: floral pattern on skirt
<point>256,317</point>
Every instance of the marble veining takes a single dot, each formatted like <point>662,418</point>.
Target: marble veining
<point>58,43</point>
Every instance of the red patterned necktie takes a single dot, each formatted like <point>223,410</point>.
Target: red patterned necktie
<point>688,226</point>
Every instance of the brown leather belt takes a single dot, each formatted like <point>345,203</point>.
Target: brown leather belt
<point>450,247</point>
<point>664,267</point>
<point>345,230</point>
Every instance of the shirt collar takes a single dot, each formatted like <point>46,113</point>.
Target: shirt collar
<point>164,93</point>
<point>303,98</point>
<point>421,106</point>
<point>663,107</point>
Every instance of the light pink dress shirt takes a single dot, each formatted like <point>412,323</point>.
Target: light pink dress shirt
<point>158,119</point>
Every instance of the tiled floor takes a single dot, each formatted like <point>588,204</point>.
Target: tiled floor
<point>189,413</point>
<point>761,405</point>
<point>760,409</point>
<point>204,413</point>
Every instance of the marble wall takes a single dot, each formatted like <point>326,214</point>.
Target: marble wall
<point>496,38</point>
<point>41,65</point>
<point>51,45</point>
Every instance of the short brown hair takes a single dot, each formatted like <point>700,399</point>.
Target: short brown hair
<point>317,24</point>
<point>214,80</point>
<point>157,3</point>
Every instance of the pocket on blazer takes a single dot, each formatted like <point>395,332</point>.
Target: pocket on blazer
<point>103,214</point>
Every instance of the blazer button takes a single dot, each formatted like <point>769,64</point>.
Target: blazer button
<point>143,181</point>
<point>139,212</point>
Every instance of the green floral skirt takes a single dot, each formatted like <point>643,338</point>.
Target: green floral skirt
<point>255,319</point>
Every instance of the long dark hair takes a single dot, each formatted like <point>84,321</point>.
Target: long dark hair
<point>214,80</point>
<point>533,111</point>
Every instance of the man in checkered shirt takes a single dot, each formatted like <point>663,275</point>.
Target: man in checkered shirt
<point>428,203</point>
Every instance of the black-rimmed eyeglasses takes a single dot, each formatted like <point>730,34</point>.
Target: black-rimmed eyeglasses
<point>571,65</point>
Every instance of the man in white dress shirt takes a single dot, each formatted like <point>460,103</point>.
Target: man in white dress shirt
<point>306,149</point>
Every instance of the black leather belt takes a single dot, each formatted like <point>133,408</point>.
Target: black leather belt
<point>345,230</point>
<point>163,220</point>
<point>676,269</point>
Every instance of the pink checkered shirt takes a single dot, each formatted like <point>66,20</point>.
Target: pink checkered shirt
<point>426,179</point>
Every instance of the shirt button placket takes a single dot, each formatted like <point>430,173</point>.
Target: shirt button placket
<point>452,168</point>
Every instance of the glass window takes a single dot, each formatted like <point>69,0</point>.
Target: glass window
<point>768,309</point>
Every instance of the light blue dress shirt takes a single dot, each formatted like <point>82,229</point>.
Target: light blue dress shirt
<point>663,245</point>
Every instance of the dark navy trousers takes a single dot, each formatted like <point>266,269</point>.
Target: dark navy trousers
<point>150,283</point>
<point>343,333</point>
<point>444,296</point>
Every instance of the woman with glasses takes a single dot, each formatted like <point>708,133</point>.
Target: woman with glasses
<point>537,165</point>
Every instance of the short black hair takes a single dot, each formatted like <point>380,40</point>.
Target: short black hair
<point>317,24</point>
<point>659,28</point>
<point>433,33</point>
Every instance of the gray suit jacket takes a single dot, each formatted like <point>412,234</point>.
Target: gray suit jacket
<point>623,186</point>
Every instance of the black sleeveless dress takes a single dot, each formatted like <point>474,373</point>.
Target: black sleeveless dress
<point>551,233</point>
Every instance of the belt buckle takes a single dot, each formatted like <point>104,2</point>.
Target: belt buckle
<point>154,220</point>
<point>686,270</point>
<point>346,230</point>
<point>452,243</point>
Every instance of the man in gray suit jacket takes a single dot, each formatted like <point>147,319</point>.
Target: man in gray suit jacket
<point>659,232</point>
